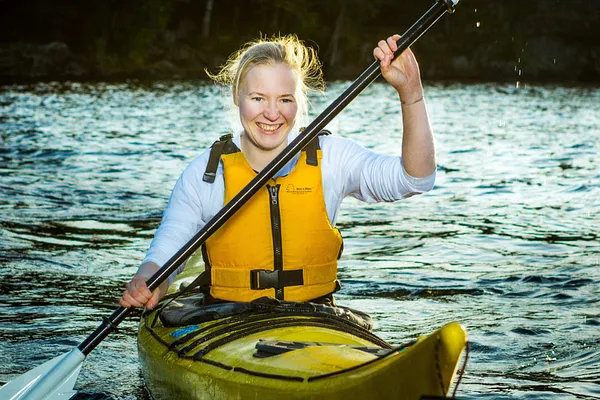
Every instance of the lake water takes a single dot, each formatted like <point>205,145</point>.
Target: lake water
<point>507,243</point>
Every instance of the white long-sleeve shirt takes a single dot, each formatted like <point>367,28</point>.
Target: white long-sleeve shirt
<point>347,168</point>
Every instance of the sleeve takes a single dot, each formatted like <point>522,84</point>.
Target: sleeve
<point>369,176</point>
<point>184,215</point>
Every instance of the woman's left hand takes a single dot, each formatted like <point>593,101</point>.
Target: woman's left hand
<point>403,73</point>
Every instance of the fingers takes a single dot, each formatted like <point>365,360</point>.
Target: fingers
<point>383,52</point>
<point>136,293</point>
<point>385,48</point>
<point>153,300</point>
<point>392,42</point>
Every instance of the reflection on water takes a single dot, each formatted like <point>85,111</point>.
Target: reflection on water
<point>506,244</point>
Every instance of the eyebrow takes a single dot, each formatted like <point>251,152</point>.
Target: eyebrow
<point>264,95</point>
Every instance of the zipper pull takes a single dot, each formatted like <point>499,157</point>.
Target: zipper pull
<point>273,191</point>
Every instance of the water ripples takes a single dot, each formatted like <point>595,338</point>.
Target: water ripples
<point>507,242</point>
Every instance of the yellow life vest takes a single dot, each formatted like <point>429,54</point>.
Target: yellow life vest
<point>281,242</point>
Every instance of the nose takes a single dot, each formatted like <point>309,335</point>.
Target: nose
<point>271,111</point>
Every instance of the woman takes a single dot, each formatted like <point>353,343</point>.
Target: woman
<point>283,243</point>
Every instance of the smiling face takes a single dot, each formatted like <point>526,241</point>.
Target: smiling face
<point>268,108</point>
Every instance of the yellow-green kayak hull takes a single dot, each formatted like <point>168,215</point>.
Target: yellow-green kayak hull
<point>219,360</point>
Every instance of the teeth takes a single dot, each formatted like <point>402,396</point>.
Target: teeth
<point>270,128</point>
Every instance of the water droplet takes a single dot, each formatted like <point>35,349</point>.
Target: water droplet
<point>555,61</point>
<point>478,24</point>
<point>520,72</point>
<point>517,86</point>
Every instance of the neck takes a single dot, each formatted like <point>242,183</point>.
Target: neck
<point>258,158</point>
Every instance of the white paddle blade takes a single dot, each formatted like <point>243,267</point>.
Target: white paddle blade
<point>53,380</point>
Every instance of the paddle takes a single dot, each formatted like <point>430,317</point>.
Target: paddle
<point>56,378</point>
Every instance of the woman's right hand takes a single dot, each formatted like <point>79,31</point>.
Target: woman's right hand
<point>136,292</point>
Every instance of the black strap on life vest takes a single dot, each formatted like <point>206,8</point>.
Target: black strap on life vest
<point>202,281</point>
<point>312,147</point>
<point>217,149</point>
<point>278,279</point>
<point>225,145</point>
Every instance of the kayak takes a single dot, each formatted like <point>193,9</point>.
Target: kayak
<point>271,349</point>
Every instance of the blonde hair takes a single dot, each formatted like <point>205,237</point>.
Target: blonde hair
<point>287,50</point>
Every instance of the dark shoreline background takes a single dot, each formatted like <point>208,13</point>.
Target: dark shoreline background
<point>508,40</point>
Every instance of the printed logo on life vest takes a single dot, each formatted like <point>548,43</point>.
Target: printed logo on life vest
<point>298,190</point>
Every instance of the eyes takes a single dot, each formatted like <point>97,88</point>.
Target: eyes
<point>261,99</point>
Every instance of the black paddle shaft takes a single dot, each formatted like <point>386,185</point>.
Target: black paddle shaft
<point>312,130</point>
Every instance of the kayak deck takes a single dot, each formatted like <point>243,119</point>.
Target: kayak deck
<point>293,354</point>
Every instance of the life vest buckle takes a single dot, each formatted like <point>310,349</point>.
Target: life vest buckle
<point>264,279</point>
